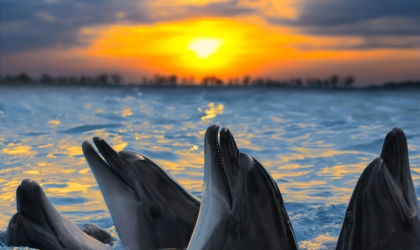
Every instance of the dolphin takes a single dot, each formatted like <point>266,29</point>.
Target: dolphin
<point>383,212</point>
<point>38,224</point>
<point>242,207</point>
<point>149,208</point>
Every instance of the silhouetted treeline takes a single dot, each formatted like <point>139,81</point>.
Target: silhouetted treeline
<point>397,85</point>
<point>334,81</point>
<point>102,79</point>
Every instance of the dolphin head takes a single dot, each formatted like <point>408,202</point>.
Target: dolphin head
<point>395,157</point>
<point>31,224</point>
<point>242,206</point>
<point>38,224</point>
<point>383,212</point>
<point>149,208</point>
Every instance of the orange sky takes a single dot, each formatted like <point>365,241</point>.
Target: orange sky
<point>221,46</point>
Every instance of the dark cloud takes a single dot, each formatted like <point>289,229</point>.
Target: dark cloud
<point>30,25</point>
<point>357,18</point>
<point>225,9</point>
<point>27,25</point>
<point>369,43</point>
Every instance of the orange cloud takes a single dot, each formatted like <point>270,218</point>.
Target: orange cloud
<point>240,46</point>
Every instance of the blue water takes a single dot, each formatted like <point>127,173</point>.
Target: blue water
<point>314,143</point>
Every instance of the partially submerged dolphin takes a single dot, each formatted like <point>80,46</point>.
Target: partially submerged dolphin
<point>149,208</point>
<point>242,207</point>
<point>383,212</point>
<point>39,225</point>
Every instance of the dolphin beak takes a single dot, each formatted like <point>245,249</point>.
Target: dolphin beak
<point>114,159</point>
<point>230,157</point>
<point>214,171</point>
<point>395,152</point>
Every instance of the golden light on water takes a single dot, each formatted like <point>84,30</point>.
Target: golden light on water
<point>15,149</point>
<point>213,111</point>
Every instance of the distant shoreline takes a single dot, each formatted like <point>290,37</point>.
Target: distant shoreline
<point>173,81</point>
<point>395,86</point>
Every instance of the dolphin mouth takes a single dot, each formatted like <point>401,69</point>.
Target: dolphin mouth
<point>218,164</point>
<point>112,159</point>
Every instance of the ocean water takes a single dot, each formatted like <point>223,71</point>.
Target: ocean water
<point>314,143</point>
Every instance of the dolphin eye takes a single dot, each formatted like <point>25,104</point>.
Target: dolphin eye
<point>155,213</point>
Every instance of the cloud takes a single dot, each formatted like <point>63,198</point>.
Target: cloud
<point>45,16</point>
<point>57,24</point>
<point>34,25</point>
<point>37,25</point>
<point>356,17</point>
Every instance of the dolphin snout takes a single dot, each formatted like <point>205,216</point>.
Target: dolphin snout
<point>26,182</point>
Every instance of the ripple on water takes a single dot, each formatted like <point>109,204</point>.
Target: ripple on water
<point>373,146</point>
<point>166,155</point>
<point>115,118</point>
<point>66,201</point>
<point>85,128</point>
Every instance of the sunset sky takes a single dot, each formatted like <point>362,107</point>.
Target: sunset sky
<point>375,41</point>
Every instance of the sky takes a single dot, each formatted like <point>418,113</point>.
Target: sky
<point>374,41</point>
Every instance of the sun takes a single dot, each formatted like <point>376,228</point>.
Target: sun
<point>205,47</point>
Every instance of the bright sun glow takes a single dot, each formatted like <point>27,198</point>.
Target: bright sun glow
<point>204,48</point>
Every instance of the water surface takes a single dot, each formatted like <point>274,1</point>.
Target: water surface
<point>314,143</point>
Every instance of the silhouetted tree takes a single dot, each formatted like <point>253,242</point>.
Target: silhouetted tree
<point>230,82</point>
<point>102,79</point>
<point>326,83</point>
<point>160,80</point>
<point>173,80</point>
<point>236,81</point>
<point>348,81</point>
<point>211,81</point>
<point>298,82</point>
<point>258,82</point>
<point>269,82</point>
<point>83,80</point>
<point>144,80</point>
<point>310,82</point>
<point>334,80</point>
<point>45,78</point>
<point>9,79</point>
<point>90,80</point>
<point>24,78</point>
<point>116,78</point>
<point>74,80</point>
<point>246,80</point>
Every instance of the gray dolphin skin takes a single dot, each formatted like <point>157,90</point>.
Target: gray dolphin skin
<point>383,212</point>
<point>149,208</point>
<point>97,233</point>
<point>38,224</point>
<point>242,207</point>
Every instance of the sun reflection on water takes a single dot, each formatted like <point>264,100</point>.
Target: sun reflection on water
<point>212,111</point>
<point>54,122</point>
<point>16,149</point>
